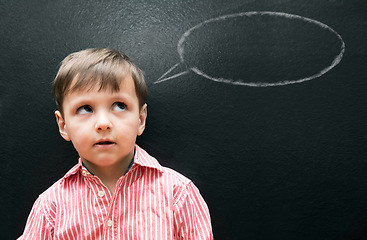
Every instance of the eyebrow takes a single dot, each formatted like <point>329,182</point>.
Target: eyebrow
<point>80,100</point>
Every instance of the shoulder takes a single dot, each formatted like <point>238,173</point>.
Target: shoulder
<point>45,206</point>
<point>144,159</point>
<point>50,192</point>
<point>56,191</point>
<point>182,186</point>
<point>176,176</point>
<point>171,179</point>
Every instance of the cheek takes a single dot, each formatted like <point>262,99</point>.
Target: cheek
<point>78,135</point>
<point>81,145</point>
<point>128,130</point>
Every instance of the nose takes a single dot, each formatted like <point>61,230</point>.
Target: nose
<point>103,122</point>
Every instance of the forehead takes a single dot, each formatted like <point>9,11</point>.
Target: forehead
<point>105,78</point>
<point>124,86</point>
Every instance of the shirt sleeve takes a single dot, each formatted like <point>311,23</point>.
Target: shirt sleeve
<point>38,225</point>
<point>191,216</point>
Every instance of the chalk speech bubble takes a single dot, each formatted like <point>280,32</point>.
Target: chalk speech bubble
<point>278,41</point>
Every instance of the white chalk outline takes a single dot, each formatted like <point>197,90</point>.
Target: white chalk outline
<point>180,50</point>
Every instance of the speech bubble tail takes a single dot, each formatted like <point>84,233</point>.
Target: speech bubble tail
<point>173,69</point>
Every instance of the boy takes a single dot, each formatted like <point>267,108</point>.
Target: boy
<point>117,190</point>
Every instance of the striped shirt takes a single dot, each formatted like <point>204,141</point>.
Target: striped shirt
<point>149,202</point>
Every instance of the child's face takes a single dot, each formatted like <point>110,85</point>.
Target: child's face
<point>103,125</point>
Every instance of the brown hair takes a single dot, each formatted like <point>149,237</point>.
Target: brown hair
<point>103,66</point>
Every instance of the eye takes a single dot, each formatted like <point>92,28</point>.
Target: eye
<point>119,106</point>
<point>84,109</point>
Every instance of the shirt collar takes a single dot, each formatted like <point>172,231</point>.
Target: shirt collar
<point>141,158</point>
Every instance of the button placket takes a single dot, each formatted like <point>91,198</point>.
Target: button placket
<point>101,194</point>
<point>109,223</point>
<point>85,173</point>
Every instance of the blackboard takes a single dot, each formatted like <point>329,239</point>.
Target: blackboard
<point>261,103</point>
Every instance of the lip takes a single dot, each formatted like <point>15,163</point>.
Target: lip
<point>104,143</point>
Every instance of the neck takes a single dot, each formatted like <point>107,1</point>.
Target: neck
<point>110,174</point>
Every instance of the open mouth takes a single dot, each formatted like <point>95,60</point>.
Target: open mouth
<point>104,143</point>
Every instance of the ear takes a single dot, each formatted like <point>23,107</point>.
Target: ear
<point>62,126</point>
<point>142,119</point>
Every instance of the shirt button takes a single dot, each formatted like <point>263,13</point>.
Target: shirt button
<point>84,173</point>
<point>109,223</point>
<point>100,194</point>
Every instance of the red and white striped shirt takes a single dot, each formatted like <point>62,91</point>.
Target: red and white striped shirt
<point>149,202</point>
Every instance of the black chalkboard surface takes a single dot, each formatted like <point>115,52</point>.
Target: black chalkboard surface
<point>261,103</point>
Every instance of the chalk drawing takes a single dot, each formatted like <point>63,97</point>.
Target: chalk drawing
<point>182,69</point>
